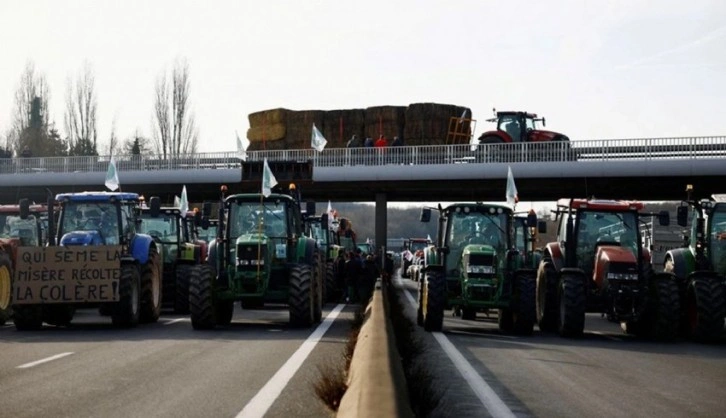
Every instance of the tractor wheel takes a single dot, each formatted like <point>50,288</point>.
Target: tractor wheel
<point>301,296</point>
<point>435,302</point>
<point>546,297</point>
<point>58,315</point>
<point>318,287</point>
<point>525,305</point>
<point>419,310</point>
<point>28,317</point>
<point>181,289</point>
<point>704,308</point>
<point>468,314</point>
<point>151,288</point>
<point>201,297</point>
<point>224,310</point>
<point>660,321</point>
<point>6,287</point>
<point>126,311</point>
<point>330,290</point>
<point>572,306</point>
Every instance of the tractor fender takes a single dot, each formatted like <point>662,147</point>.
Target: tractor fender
<point>684,263</point>
<point>212,254</point>
<point>305,251</point>
<point>431,258</point>
<point>501,135</point>
<point>554,251</point>
<point>202,251</point>
<point>139,247</point>
<point>607,254</point>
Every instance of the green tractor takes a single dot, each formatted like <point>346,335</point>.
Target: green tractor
<point>174,231</point>
<point>700,268</point>
<point>261,255</point>
<point>474,266</point>
<point>319,229</point>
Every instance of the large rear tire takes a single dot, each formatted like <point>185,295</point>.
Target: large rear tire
<point>28,317</point>
<point>546,297</point>
<point>435,301</point>
<point>704,308</point>
<point>126,311</point>
<point>331,293</point>
<point>662,315</point>
<point>301,296</point>
<point>202,297</point>
<point>571,318</point>
<point>6,287</point>
<point>151,273</point>
<point>525,304</point>
<point>318,289</point>
<point>181,289</point>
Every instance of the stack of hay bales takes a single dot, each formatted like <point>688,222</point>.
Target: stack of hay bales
<point>418,124</point>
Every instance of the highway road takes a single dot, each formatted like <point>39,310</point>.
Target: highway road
<point>604,373</point>
<point>258,366</point>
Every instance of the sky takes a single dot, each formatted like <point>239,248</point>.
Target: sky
<point>595,69</point>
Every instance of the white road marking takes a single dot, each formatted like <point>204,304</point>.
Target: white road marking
<point>45,360</point>
<point>482,390</point>
<point>174,321</point>
<point>263,400</point>
<point>602,334</point>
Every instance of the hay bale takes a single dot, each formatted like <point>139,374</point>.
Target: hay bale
<point>340,125</point>
<point>268,117</point>
<point>386,120</point>
<point>430,123</point>
<point>300,127</point>
<point>274,132</point>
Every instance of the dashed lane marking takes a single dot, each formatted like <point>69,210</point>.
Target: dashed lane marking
<point>45,360</point>
<point>174,321</point>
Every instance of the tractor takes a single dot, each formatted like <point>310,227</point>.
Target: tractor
<point>598,264</point>
<point>474,266</point>
<point>701,267</point>
<point>319,229</point>
<point>522,127</point>
<point>414,248</point>
<point>261,255</point>
<point>17,231</point>
<point>100,260</point>
<point>173,232</point>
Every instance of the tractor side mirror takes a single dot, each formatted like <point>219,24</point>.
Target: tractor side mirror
<point>324,221</point>
<point>682,216</point>
<point>154,206</point>
<point>531,220</point>
<point>310,208</point>
<point>24,208</point>
<point>664,218</point>
<point>425,215</point>
<point>544,123</point>
<point>542,226</point>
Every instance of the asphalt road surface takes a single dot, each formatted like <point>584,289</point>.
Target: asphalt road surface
<point>258,366</point>
<point>604,373</point>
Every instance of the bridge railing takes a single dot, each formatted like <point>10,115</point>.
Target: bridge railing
<point>585,150</point>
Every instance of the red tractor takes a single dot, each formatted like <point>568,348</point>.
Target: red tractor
<point>598,264</point>
<point>522,127</point>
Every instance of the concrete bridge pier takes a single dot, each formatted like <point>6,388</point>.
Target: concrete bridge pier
<point>381,224</point>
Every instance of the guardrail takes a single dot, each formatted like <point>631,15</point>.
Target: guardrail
<point>585,150</point>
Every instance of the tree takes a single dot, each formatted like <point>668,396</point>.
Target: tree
<point>80,115</point>
<point>33,86</point>
<point>137,144</point>
<point>174,129</point>
<point>40,139</point>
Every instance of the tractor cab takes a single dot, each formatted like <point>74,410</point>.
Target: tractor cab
<point>517,124</point>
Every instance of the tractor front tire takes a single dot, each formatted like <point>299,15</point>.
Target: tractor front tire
<point>181,289</point>
<point>660,321</point>
<point>525,304</point>
<point>435,286</point>
<point>6,287</point>
<point>126,311</point>
<point>301,296</point>
<point>704,308</point>
<point>572,306</point>
<point>151,288</point>
<point>202,298</point>
<point>330,290</point>
<point>546,297</point>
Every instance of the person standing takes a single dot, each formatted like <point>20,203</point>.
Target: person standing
<point>381,142</point>
<point>353,142</point>
<point>397,141</point>
<point>369,142</point>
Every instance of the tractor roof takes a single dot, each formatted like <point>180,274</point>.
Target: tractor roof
<point>162,211</point>
<point>255,197</point>
<point>96,196</point>
<point>512,112</point>
<point>419,239</point>
<point>599,204</point>
<point>479,207</point>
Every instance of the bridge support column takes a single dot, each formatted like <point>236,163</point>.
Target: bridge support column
<point>381,224</point>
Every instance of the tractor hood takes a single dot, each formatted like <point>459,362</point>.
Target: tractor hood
<point>614,263</point>
<point>81,238</point>
<point>479,261</point>
<point>541,135</point>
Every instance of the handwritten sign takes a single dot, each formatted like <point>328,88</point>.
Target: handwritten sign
<point>67,274</point>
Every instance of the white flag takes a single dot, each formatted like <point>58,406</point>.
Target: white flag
<point>512,196</point>
<point>242,146</point>
<point>184,202</point>
<point>177,201</point>
<point>268,180</point>
<point>318,141</point>
<point>112,176</point>
<point>428,237</point>
<point>463,115</point>
<point>330,215</point>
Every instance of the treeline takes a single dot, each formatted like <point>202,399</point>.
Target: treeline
<point>34,133</point>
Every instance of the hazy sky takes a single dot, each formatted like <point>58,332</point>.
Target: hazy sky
<point>595,69</point>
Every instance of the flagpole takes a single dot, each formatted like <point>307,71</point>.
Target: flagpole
<point>259,233</point>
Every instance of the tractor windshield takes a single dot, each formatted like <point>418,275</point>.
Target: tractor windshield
<point>318,233</point>
<point>605,228</point>
<point>510,123</point>
<point>418,245</point>
<point>718,238</point>
<point>252,218</point>
<point>164,227</point>
<point>101,217</point>
<point>24,229</point>
<point>464,228</point>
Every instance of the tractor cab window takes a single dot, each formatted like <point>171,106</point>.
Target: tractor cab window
<point>529,124</point>
<point>465,228</point>
<point>101,217</point>
<point>26,230</point>
<point>718,239</point>
<point>164,227</point>
<point>605,228</point>
<point>511,125</point>
<point>252,218</point>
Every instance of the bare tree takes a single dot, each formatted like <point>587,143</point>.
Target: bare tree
<point>32,86</point>
<point>113,142</point>
<point>174,131</point>
<point>80,115</point>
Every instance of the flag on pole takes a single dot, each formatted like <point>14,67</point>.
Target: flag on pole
<point>463,115</point>
<point>318,141</point>
<point>112,176</point>
<point>428,237</point>
<point>242,146</point>
<point>330,215</point>
<point>268,180</point>
<point>183,202</point>
<point>512,196</point>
